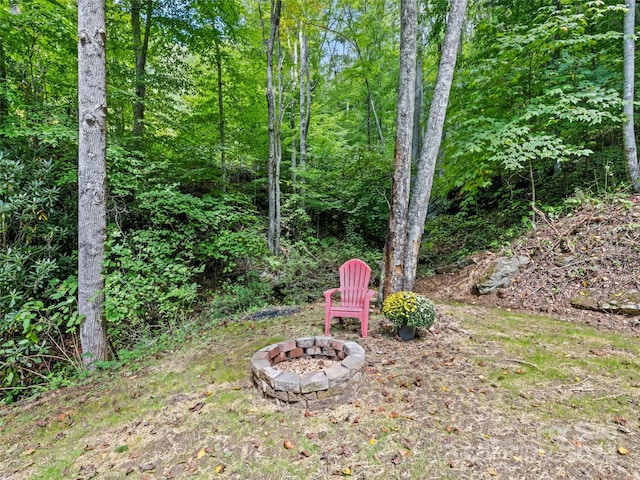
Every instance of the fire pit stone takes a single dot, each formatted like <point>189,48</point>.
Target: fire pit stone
<point>311,372</point>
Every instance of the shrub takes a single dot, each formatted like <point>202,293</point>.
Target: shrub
<point>38,316</point>
<point>409,308</point>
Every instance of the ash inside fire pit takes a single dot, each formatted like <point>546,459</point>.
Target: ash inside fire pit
<point>303,365</point>
<point>312,372</point>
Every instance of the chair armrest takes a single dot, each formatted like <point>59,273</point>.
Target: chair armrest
<point>329,293</point>
<point>368,296</point>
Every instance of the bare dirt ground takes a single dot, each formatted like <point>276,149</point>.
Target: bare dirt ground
<point>516,386</point>
<point>595,250</point>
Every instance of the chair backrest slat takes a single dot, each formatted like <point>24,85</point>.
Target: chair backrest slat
<point>354,282</point>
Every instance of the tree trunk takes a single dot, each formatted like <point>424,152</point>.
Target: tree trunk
<point>223,166</point>
<point>432,138</point>
<point>4,105</point>
<point>92,179</point>
<point>272,240</point>
<point>415,150</point>
<point>305,98</point>
<point>628,95</point>
<point>278,160</point>
<point>396,236</point>
<point>292,116</point>
<point>140,48</point>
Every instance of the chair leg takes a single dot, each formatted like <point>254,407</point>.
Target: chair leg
<point>364,324</point>
<point>327,322</point>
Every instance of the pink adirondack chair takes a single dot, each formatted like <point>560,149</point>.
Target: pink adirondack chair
<point>355,295</point>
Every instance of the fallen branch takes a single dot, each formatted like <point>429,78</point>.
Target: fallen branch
<point>526,363</point>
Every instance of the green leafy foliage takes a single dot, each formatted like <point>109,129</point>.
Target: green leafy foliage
<point>38,316</point>
<point>538,87</point>
<point>153,271</point>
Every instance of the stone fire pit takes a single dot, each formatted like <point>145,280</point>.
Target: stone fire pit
<point>339,365</point>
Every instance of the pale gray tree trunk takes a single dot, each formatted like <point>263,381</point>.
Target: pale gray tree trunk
<point>397,235</point>
<point>274,27</point>
<point>628,95</point>
<point>4,104</point>
<point>92,178</point>
<point>305,97</point>
<point>280,110</point>
<point>293,73</point>
<point>415,149</point>
<point>431,141</point>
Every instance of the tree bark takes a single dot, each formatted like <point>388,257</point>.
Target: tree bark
<point>92,179</point>
<point>292,117</point>
<point>4,105</point>
<point>272,235</point>
<point>415,150</point>
<point>628,95</point>
<point>396,236</point>
<point>140,48</point>
<point>432,139</point>
<point>305,98</point>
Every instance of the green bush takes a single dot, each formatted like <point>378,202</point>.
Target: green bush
<point>409,308</point>
<point>245,294</point>
<point>37,311</point>
<point>153,272</point>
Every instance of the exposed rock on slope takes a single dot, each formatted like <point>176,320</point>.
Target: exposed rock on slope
<point>584,267</point>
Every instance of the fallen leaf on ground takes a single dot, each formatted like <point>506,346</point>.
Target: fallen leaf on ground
<point>197,407</point>
<point>344,450</point>
<point>619,420</point>
<point>304,454</point>
<point>288,444</point>
<point>492,471</point>
<point>623,451</point>
<point>201,453</point>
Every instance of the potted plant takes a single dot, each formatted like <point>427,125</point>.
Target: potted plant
<point>408,311</point>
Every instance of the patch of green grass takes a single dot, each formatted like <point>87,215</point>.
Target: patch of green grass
<point>551,363</point>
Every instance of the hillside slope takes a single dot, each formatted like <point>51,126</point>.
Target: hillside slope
<point>586,257</point>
